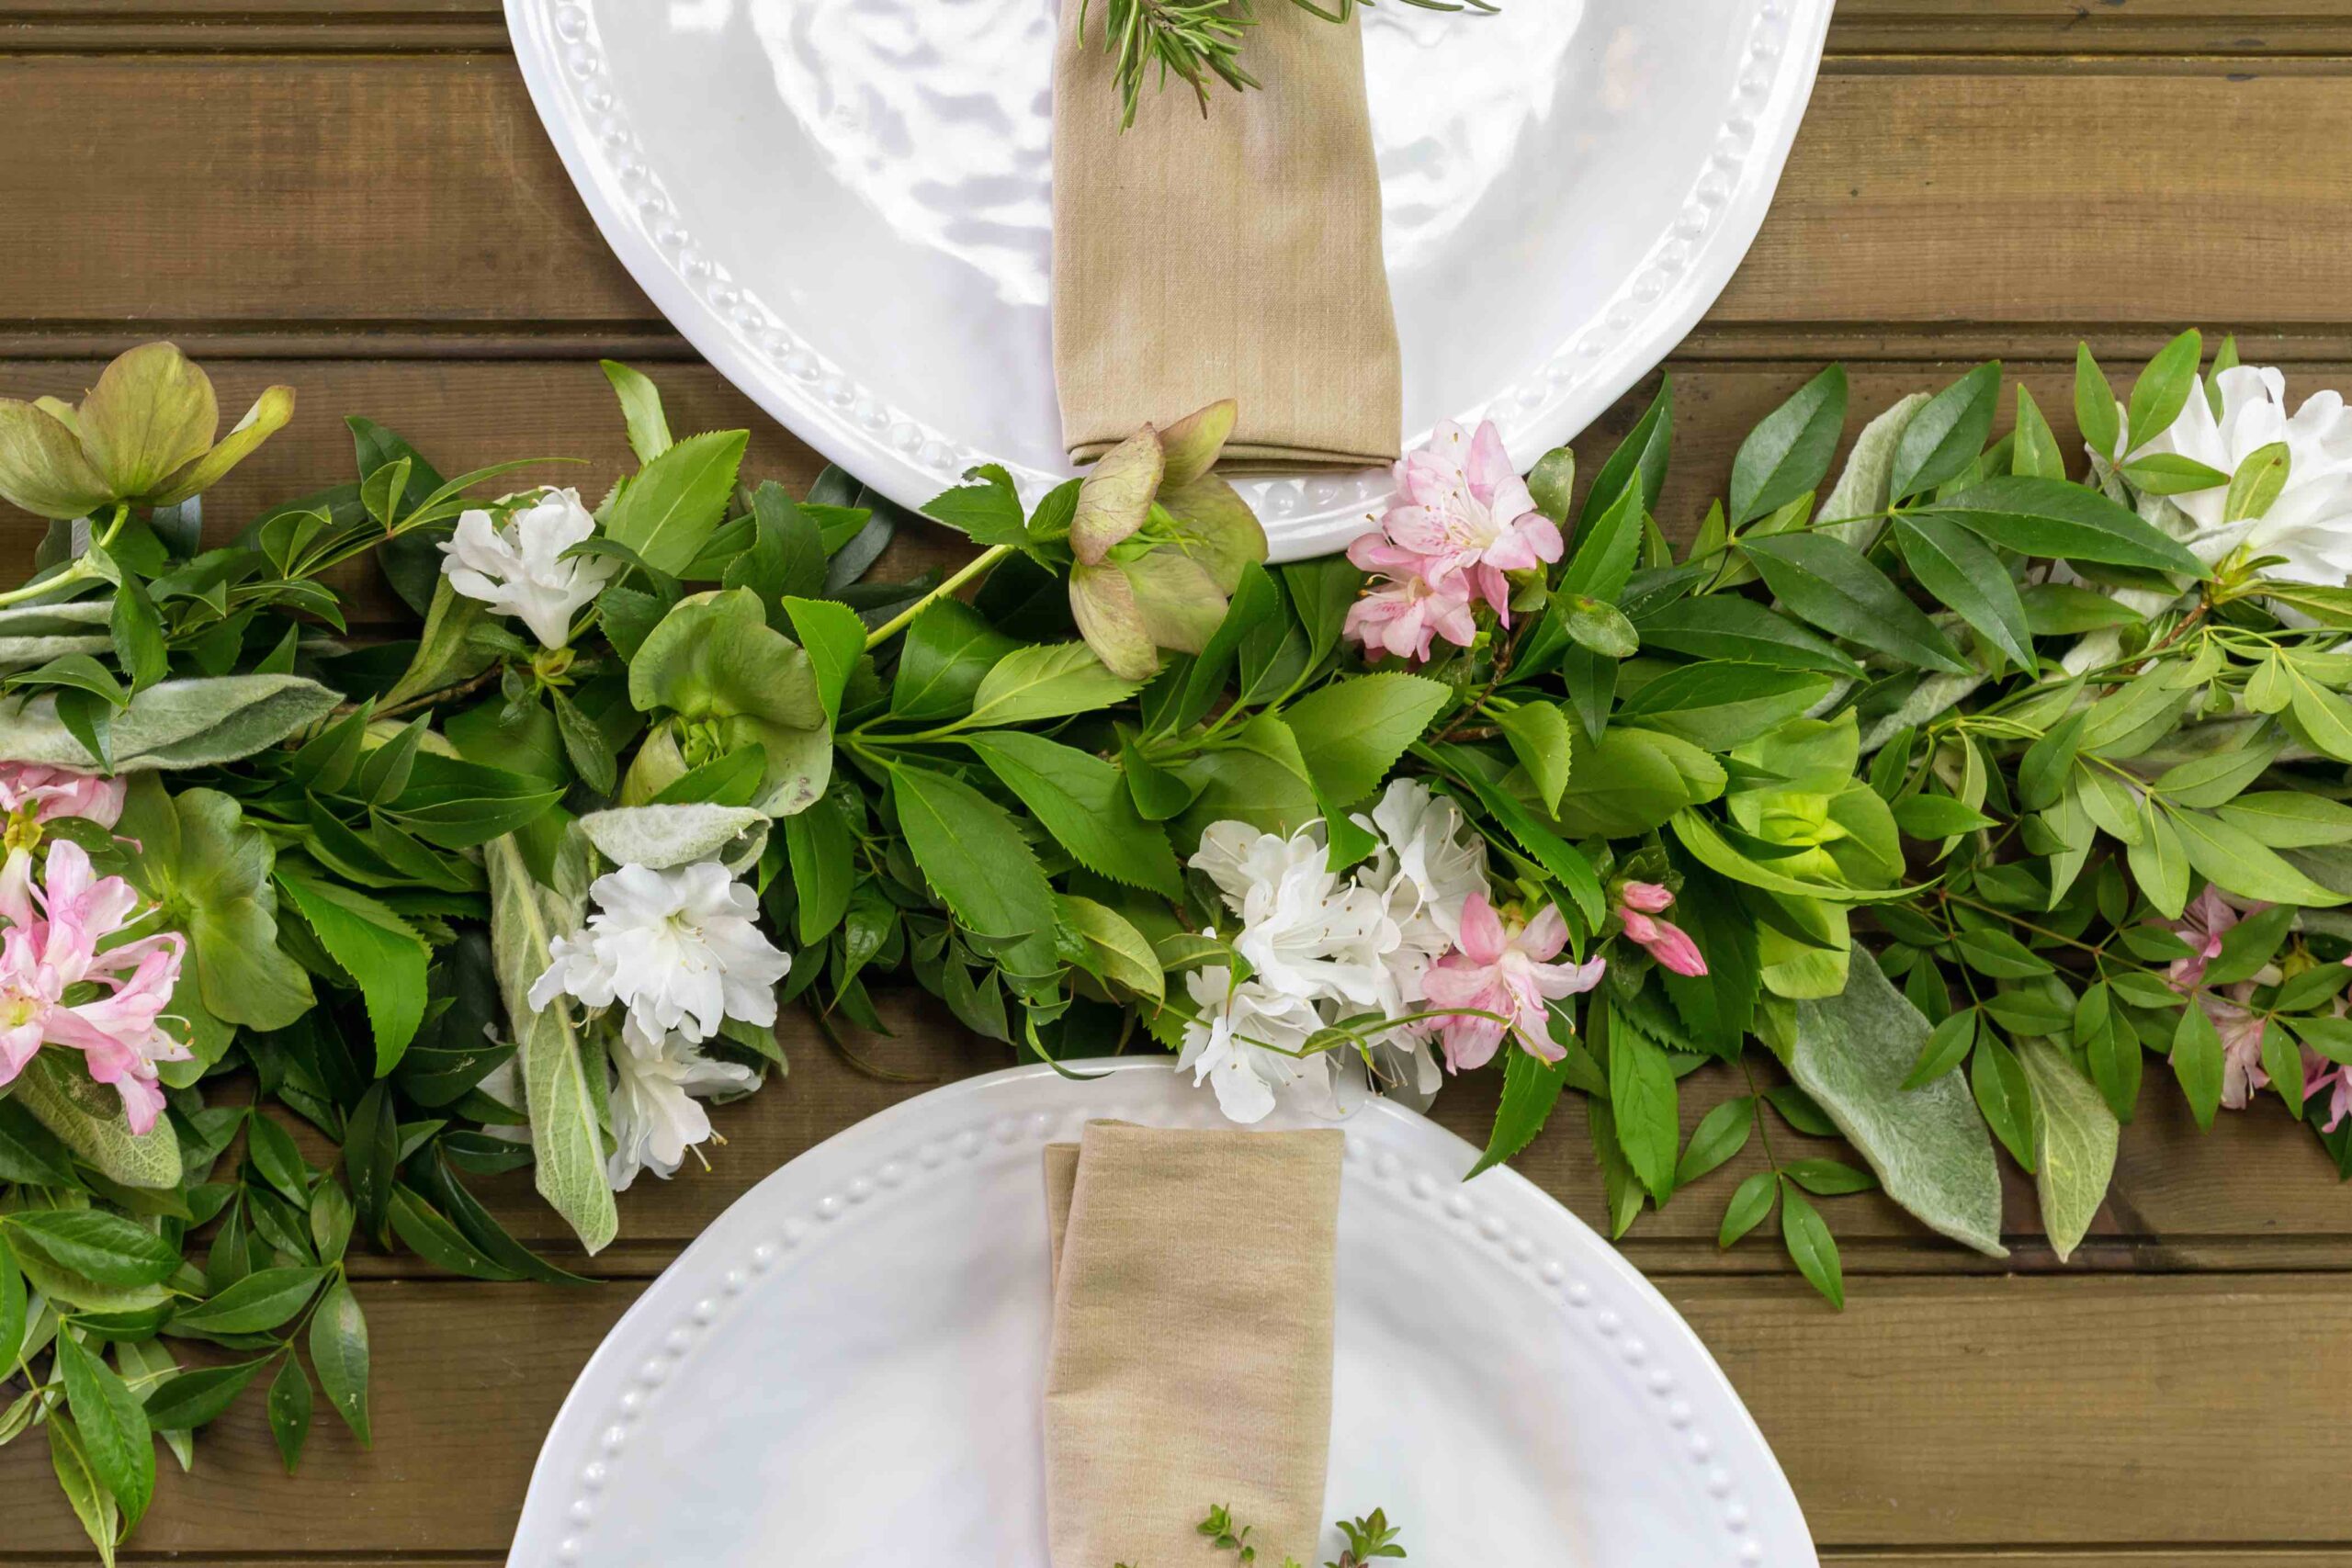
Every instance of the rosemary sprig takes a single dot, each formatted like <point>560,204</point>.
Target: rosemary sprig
<point>1196,39</point>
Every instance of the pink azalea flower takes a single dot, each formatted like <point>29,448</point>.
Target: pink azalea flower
<point>1508,972</point>
<point>52,944</point>
<point>1465,508</point>
<point>47,793</point>
<point>2333,1078</point>
<point>2242,1032</point>
<point>2203,925</point>
<point>1639,904</point>
<point>1404,616</point>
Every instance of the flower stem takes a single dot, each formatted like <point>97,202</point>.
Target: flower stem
<point>904,618</point>
<point>78,569</point>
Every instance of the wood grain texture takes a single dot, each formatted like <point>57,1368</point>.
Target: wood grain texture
<point>384,191</point>
<point>1931,1413</point>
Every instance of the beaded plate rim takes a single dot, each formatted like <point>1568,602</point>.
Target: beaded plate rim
<point>1011,1114</point>
<point>563,56</point>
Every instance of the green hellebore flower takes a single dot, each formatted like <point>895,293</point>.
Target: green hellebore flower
<point>144,435</point>
<point>715,664</point>
<point>1160,541</point>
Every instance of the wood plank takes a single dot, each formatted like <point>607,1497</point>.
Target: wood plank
<point>391,190</point>
<point>1859,27</point>
<point>1950,1414</point>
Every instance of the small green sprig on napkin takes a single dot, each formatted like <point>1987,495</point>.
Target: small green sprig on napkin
<point>1369,1538</point>
<point>1194,39</point>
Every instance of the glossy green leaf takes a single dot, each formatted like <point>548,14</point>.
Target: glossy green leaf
<point>1833,585</point>
<point>1789,453</point>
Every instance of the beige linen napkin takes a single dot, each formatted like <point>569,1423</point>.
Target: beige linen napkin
<point>1191,1353</point>
<point>1236,256</point>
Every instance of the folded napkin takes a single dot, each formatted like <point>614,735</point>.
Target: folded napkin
<point>1236,256</point>
<point>1191,1353</point>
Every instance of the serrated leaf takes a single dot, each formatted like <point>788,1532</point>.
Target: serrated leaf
<point>1351,731</point>
<point>971,851</point>
<point>1642,1102</point>
<point>1084,802</point>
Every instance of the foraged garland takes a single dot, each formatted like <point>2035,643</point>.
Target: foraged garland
<point>303,934</point>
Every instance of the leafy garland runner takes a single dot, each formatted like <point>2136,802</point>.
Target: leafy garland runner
<point>305,934</point>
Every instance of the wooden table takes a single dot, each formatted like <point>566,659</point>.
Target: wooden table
<point>353,196</point>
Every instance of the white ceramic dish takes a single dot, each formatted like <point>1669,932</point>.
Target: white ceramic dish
<point>845,1369</point>
<point>844,205</point>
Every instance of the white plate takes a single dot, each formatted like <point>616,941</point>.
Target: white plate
<point>845,1369</point>
<point>843,204</point>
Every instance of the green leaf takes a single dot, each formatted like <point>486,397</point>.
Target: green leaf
<point>1931,818</point>
<point>1727,626</point>
<point>1947,433</point>
<point>2169,473</point>
<point>2164,386</point>
<point>1828,1178</point>
<point>2159,862</point>
<point>822,853</point>
<point>1642,1098</point>
<point>290,1411</point>
<point>87,1117</point>
<point>1718,1007</point>
<point>2217,779</point>
<point>1619,1184</point>
<point>1538,735</point>
<point>835,640</point>
<point>648,429</point>
<point>563,1088</point>
<point>1947,1046</point>
<point>1639,461</point>
<point>987,509</point>
<point>2197,1062</point>
<point>2062,609</point>
<point>1047,680</point>
<point>199,722</point>
<point>199,1398</point>
<point>1788,454</point>
<point>381,951</point>
<point>714,661</point>
<point>211,870</point>
<point>948,649</point>
<point>105,1248</point>
<point>1720,704</point>
<point>1606,549</point>
<point>258,1303</point>
<point>1083,802</point>
<point>1751,1203</point>
<point>676,502</point>
<point>971,851</point>
<point>1720,1133</point>
<point>2233,859</point>
<point>2075,1141</point>
<point>2005,1096</point>
<point>1962,571</point>
<point>1833,585</point>
<point>12,1305</point>
<point>2037,453</point>
<point>2095,414</point>
<point>1810,1244</point>
<point>91,1502</point>
<point>276,1157</point>
<point>2052,518</point>
<point>112,1426</point>
<point>2254,488</point>
<point>1351,731</point>
<point>1531,1088</point>
<point>1853,1054</point>
<point>2283,820</point>
<point>339,1351</point>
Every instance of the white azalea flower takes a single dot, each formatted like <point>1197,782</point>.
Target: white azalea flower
<point>1306,932</point>
<point>517,570</point>
<point>2311,521</point>
<point>679,949</point>
<point>1425,871</point>
<point>1227,1044</point>
<point>656,1118</point>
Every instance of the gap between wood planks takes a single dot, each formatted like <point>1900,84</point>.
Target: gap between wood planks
<point>1864,34</point>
